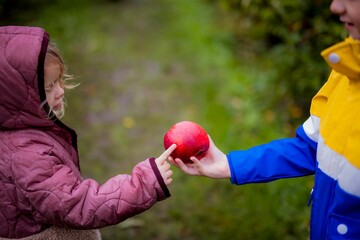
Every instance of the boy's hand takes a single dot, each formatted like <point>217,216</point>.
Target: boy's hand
<point>164,166</point>
<point>213,165</point>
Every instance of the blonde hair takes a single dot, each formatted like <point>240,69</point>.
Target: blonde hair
<point>54,54</point>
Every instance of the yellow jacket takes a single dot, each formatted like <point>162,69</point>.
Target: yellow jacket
<point>327,145</point>
<point>335,126</point>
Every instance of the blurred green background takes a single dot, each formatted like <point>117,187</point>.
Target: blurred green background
<point>244,70</point>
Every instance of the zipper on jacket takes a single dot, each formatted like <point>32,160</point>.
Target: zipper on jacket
<point>311,197</point>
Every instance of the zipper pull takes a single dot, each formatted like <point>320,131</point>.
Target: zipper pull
<point>311,197</point>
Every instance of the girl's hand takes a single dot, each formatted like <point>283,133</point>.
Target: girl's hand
<point>164,166</point>
<point>213,165</point>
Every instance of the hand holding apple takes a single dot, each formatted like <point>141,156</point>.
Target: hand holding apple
<point>213,165</point>
<point>191,140</point>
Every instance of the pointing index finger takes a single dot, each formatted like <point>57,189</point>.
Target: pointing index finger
<point>168,151</point>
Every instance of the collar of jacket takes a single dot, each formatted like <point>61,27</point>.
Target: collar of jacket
<point>344,57</point>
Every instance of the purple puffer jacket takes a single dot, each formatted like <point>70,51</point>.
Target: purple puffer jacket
<point>40,180</point>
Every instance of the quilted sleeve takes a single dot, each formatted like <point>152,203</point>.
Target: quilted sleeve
<point>58,196</point>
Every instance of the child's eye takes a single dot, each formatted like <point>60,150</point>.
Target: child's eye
<point>50,86</point>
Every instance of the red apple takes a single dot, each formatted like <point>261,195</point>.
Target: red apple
<point>191,140</point>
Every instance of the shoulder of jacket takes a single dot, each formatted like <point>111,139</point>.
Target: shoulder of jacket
<point>31,140</point>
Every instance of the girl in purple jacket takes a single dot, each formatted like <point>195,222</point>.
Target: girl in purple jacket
<point>327,144</point>
<point>42,192</point>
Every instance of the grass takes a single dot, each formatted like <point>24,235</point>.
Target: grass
<point>144,65</point>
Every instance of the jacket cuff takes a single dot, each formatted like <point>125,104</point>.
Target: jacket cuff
<point>159,177</point>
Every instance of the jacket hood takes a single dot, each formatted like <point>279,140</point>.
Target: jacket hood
<point>22,90</point>
<point>22,55</point>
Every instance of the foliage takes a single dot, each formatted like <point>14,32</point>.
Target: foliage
<point>14,11</point>
<point>288,36</point>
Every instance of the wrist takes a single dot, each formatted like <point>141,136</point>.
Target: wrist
<point>225,168</point>
<point>159,177</point>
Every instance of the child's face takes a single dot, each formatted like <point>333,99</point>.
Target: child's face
<point>53,89</point>
<point>349,12</point>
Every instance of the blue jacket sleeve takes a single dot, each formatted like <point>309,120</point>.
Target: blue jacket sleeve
<point>284,158</point>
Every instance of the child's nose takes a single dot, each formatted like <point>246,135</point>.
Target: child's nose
<point>337,7</point>
<point>59,91</point>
